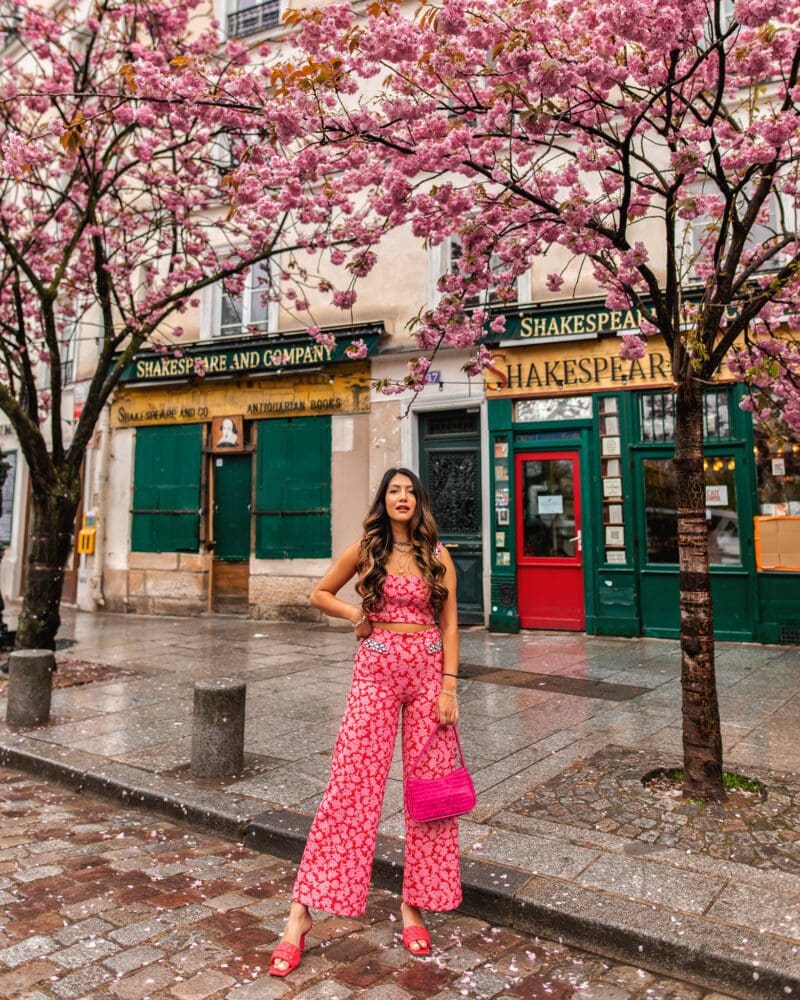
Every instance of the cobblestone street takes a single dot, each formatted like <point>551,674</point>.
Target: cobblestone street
<point>100,901</point>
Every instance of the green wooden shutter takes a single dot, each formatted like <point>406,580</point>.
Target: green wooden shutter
<point>293,488</point>
<point>166,489</point>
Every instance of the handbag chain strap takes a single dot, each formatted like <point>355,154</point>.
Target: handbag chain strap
<point>428,742</point>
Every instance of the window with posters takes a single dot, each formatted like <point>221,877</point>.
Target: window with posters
<point>778,472</point>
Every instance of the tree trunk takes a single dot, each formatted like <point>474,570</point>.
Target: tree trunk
<point>52,522</point>
<point>702,739</point>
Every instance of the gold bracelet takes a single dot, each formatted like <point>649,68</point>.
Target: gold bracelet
<point>360,621</point>
<point>450,694</point>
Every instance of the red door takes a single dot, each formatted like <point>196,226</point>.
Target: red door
<point>549,541</point>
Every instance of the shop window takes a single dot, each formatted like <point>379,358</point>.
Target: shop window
<point>563,408</point>
<point>166,489</point>
<point>549,508</point>
<point>657,416</point>
<point>293,488</point>
<point>778,469</point>
<point>661,519</point>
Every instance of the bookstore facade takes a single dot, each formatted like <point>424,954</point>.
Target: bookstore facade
<point>583,521</point>
<point>235,482</point>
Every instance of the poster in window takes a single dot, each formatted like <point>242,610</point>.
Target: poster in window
<point>7,500</point>
<point>501,449</point>
<point>612,487</point>
<point>552,503</point>
<point>717,496</point>
<point>227,434</point>
<point>501,514</point>
<point>615,536</point>
<point>501,472</point>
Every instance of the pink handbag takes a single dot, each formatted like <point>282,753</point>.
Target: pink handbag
<point>429,799</point>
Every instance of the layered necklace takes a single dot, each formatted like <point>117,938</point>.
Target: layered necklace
<point>405,551</point>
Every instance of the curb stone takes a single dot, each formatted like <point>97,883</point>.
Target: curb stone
<point>640,934</point>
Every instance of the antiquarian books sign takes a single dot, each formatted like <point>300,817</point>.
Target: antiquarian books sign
<point>298,395</point>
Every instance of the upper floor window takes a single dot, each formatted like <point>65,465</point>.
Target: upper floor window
<point>251,310</point>
<point>447,258</point>
<point>67,349</point>
<point>248,18</point>
<point>774,220</point>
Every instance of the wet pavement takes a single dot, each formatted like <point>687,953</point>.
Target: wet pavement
<point>104,902</point>
<point>557,729</point>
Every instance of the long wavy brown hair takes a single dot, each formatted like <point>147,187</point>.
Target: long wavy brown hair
<point>376,545</point>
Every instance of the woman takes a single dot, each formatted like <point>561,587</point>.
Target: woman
<point>403,662</point>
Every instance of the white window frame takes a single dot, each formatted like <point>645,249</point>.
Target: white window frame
<point>690,232</point>
<point>222,8</point>
<point>439,262</point>
<point>211,309</point>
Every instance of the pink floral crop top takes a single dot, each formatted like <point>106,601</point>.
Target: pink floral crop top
<point>406,599</point>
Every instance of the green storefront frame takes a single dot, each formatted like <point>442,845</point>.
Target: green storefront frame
<point>637,597</point>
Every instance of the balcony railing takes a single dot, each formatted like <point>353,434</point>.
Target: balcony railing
<point>251,20</point>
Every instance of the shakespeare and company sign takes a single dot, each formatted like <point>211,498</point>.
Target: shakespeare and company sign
<point>258,355</point>
<point>345,390</point>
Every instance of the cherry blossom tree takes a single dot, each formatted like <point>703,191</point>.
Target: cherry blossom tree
<point>656,142</point>
<point>119,126</point>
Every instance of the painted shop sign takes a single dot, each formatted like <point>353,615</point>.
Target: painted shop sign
<point>247,357</point>
<point>570,320</point>
<point>591,366</point>
<point>302,395</point>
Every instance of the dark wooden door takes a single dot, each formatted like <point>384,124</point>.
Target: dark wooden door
<point>450,468</point>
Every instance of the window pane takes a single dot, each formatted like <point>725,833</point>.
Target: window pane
<point>231,314</point>
<point>661,519</point>
<point>568,408</point>
<point>260,286</point>
<point>549,508</point>
<point>721,516</point>
<point>778,468</point>
<point>657,415</point>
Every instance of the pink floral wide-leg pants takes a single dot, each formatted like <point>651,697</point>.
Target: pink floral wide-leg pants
<point>393,671</point>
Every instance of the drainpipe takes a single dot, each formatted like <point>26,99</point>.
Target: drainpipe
<point>100,503</point>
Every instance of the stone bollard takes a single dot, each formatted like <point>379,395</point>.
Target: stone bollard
<point>218,728</point>
<point>30,682</point>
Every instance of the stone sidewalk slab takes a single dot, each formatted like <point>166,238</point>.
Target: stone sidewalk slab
<point>587,863</point>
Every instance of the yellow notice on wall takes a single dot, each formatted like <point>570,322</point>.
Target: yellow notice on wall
<point>345,389</point>
<point>572,367</point>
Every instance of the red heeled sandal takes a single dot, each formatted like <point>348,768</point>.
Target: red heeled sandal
<point>287,952</point>
<point>417,934</point>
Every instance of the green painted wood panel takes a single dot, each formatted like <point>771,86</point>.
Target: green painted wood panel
<point>293,488</point>
<point>166,489</point>
<point>232,504</point>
